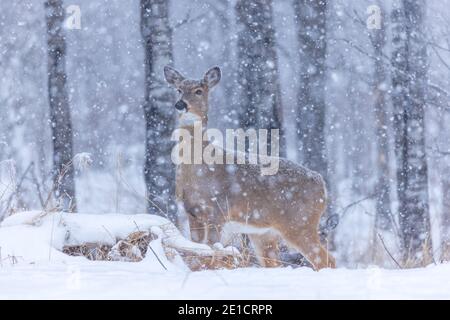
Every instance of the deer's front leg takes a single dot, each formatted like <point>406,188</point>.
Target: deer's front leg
<point>183,220</point>
<point>199,231</point>
<point>203,226</point>
<point>190,224</point>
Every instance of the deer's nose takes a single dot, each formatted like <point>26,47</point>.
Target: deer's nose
<point>181,105</point>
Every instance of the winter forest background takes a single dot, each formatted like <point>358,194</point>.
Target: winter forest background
<point>367,107</point>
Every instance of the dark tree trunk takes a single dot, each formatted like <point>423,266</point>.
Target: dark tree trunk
<point>257,72</point>
<point>444,177</point>
<point>159,171</point>
<point>311,18</point>
<point>225,13</point>
<point>310,119</point>
<point>445,227</point>
<point>61,123</point>
<point>380,85</point>
<point>409,82</point>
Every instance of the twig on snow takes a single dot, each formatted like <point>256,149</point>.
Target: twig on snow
<point>388,252</point>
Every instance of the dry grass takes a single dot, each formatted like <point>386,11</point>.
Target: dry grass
<point>135,247</point>
<point>445,252</point>
<point>91,251</point>
<point>214,262</point>
<point>423,261</point>
<point>132,249</point>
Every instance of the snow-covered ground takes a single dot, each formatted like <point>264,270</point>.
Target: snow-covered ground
<point>122,280</point>
<point>33,267</point>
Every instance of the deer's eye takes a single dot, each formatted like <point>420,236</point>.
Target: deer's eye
<point>199,92</point>
<point>179,91</point>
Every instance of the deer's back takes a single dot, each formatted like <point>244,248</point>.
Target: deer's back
<point>241,193</point>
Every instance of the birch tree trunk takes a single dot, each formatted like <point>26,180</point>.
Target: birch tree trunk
<point>159,171</point>
<point>60,117</point>
<point>409,82</point>
<point>380,85</point>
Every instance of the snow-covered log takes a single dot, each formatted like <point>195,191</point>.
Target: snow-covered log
<point>112,237</point>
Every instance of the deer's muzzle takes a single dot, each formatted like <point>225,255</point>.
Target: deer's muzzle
<point>181,105</point>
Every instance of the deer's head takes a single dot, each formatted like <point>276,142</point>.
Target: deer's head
<point>193,94</point>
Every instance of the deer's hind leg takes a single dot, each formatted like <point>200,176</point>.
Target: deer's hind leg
<point>266,249</point>
<point>308,244</point>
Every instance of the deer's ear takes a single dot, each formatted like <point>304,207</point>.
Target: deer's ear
<point>172,76</point>
<point>212,76</point>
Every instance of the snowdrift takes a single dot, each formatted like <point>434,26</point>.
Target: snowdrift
<point>33,237</point>
<point>33,266</point>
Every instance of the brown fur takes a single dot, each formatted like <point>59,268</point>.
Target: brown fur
<point>290,203</point>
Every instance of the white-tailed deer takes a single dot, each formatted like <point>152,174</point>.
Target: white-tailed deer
<point>224,198</point>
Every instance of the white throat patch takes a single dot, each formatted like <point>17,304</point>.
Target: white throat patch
<point>188,119</point>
